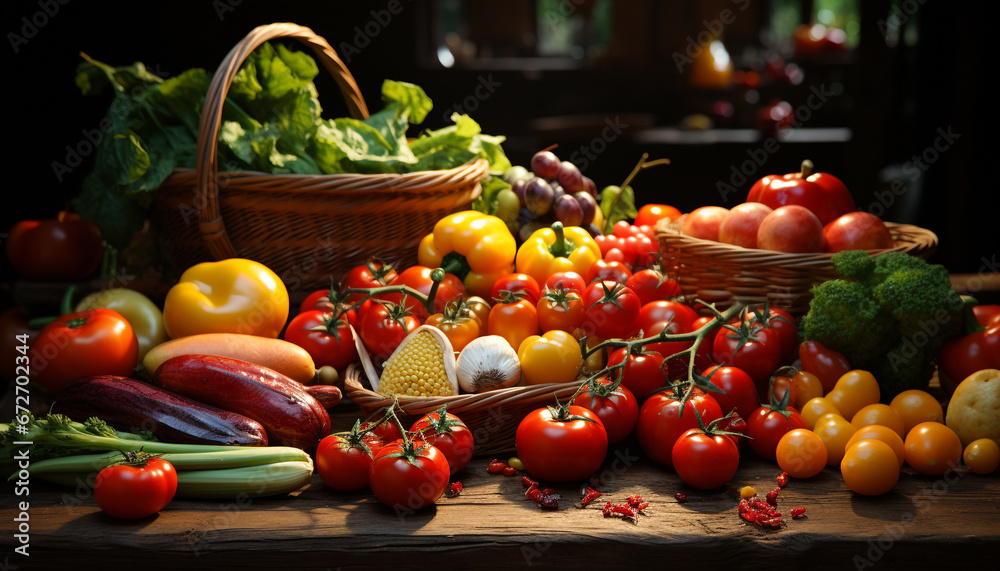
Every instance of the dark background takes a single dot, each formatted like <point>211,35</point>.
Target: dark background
<point>894,100</point>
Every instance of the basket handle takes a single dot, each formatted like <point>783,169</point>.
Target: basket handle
<point>213,230</point>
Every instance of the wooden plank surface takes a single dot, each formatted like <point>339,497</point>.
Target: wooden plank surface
<point>491,525</point>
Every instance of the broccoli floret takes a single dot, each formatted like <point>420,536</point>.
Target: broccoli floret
<point>887,314</point>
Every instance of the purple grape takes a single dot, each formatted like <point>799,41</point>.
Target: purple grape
<point>590,186</point>
<point>570,177</point>
<point>545,164</point>
<point>557,191</point>
<point>538,196</point>
<point>568,210</point>
<point>588,206</point>
<point>593,230</point>
<point>518,188</point>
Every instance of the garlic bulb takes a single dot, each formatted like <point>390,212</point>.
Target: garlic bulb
<point>487,363</point>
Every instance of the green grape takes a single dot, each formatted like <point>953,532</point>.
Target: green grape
<point>508,205</point>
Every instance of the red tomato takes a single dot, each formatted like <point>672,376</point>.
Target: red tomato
<point>560,309</point>
<point>766,426</point>
<point>419,278</point>
<point>641,371</point>
<point>749,346</point>
<point>987,315</point>
<point>740,390</point>
<point>83,344</point>
<point>705,460</point>
<point>615,406</point>
<point>650,214</point>
<point>513,319</point>
<point>517,283</point>
<point>382,432</point>
<point>661,421</point>
<point>408,475</point>
<point>447,433</point>
<point>665,310</point>
<point>333,345</point>
<point>604,270</point>
<point>564,444</point>
<point>383,328</point>
<point>791,228</point>
<point>66,247</point>
<point>611,310</point>
<point>963,355</point>
<point>858,230</point>
<point>652,285</point>
<point>371,274</point>
<point>609,242</point>
<point>136,489</point>
<point>343,461</point>
<point>825,363</point>
<point>566,280</point>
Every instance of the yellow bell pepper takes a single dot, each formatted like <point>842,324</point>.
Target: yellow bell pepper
<point>235,295</point>
<point>142,314</point>
<point>476,247</point>
<point>557,249</point>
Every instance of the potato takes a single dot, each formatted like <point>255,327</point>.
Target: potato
<point>974,408</point>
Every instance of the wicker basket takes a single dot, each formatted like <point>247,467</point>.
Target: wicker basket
<point>304,227</point>
<point>492,416</point>
<point>723,273</point>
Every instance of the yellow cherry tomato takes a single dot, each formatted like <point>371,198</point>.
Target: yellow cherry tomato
<point>801,453</point>
<point>870,468</point>
<point>552,357</point>
<point>834,431</point>
<point>932,448</point>
<point>882,414</point>
<point>982,456</point>
<point>816,407</point>
<point>883,433</point>
<point>807,387</point>
<point>854,390</point>
<point>917,406</point>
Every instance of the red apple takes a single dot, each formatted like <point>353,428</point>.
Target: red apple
<point>740,227</point>
<point>791,228</point>
<point>858,230</point>
<point>704,222</point>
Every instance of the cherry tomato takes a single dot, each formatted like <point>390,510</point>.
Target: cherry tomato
<point>982,456</point>
<point>917,406</point>
<point>66,247</point>
<point>786,326</point>
<point>559,309</point>
<point>661,421</point>
<point>879,432</point>
<point>836,432</point>
<point>381,433</point>
<point>343,461</point>
<point>640,373</point>
<point>604,270</point>
<point>419,278</point>
<point>459,324</point>
<point>611,310</point>
<point>740,393</point>
<point>328,341</point>
<point>408,475</point>
<point>371,274</point>
<point>987,315</point>
<point>776,389</point>
<point>617,407</point>
<point>650,214</point>
<point>513,318</point>
<point>666,310</point>
<point>766,426</point>
<point>827,364</point>
<point>447,433</point>
<point>807,387</point>
<point>552,357</point>
<point>705,460</point>
<point>82,344</point>
<point>881,414</point>
<point>517,283</point>
<point>564,444</point>
<point>854,390</point>
<point>751,347</point>
<point>566,280</point>
<point>136,489</point>
<point>801,453</point>
<point>652,285</point>
<point>870,468</point>
<point>932,448</point>
<point>383,327</point>
<point>815,408</point>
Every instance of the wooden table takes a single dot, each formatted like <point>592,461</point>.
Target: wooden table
<point>925,521</point>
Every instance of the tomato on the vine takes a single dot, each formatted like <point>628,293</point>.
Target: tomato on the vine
<point>783,323</point>
<point>560,309</point>
<point>650,284</point>
<point>661,310</point>
<point>754,348</point>
<point>662,420</point>
<point>459,323</point>
<point>138,487</point>
<point>611,310</point>
<point>343,459</point>
<point>328,339</point>
<point>561,444</point>
<point>704,457</point>
<point>614,404</point>
<point>371,274</point>
<point>408,475</point>
<point>739,391</point>
<point>641,372</point>
<point>517,283</point>
<point>767,424</point>
<point>447,433</point>
<point>420,279</point>
<point>514,318</point>
<point>384,326</point>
